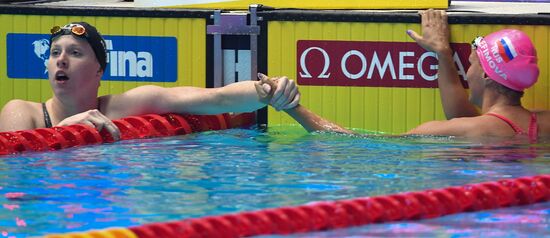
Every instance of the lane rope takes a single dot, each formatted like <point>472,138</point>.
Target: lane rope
<point>133,127</point>
<point>326,215</point>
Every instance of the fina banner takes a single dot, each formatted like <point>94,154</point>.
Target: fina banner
<point>129,58</point>
<point>372,64</point>
<point>302,4</point>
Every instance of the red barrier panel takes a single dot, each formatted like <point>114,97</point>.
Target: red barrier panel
<point>127,131</point>
<point>181,127</point>
<point>5,146</point>
<point>161,125</point>
<point>240,120</point>
<point>144,128</point>
<point>134,127</point>
<point>71,136</point>
<point>54,139</point>
<point>15,142</point>
<point>89,134</point>
<point>36,141</point>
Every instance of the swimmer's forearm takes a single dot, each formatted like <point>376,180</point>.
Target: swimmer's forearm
<point>454,97</point>
<point>313,122</point>
<point>240,97</point>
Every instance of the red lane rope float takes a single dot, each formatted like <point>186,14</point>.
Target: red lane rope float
<point>134,127</point>
<point>327,215</point>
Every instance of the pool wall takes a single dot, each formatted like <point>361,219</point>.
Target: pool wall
<point>353,95</point>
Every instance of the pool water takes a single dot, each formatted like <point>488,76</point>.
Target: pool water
<point>134,182</point>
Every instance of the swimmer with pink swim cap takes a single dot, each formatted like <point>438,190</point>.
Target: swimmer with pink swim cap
<point>509,58</point>
<point>503,65</point>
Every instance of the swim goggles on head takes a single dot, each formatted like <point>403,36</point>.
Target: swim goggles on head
<point>75,29</point>
<point>475,42</point>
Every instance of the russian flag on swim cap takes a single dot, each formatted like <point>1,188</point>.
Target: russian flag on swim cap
<point>506,49</point>
<point>496,59</point>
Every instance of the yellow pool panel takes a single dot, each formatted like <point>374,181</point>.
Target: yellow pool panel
<point>390,109</point>
<point>162,51</point>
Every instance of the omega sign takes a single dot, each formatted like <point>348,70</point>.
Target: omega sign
<point>372,64</point>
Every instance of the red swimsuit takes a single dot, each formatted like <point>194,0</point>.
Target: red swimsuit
<point>533,130</point>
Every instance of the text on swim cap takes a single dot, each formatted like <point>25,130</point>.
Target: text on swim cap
<point>492,57</point>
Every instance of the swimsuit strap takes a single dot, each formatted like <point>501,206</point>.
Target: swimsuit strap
<point>514,126</point>
<point>98,104</point>
<point>47,119</point>
<point>533,127</point>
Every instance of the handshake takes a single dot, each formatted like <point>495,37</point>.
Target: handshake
<point>279,92</point>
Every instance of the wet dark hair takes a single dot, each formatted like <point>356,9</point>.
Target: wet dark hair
<point>511,94</point>
<point>91,35</point>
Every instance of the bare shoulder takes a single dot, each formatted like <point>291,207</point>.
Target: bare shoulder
<point>20,115</point>
<point>22,106</point>
<point>461,126</point>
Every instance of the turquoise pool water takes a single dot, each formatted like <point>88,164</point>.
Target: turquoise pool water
<point>155,180</point>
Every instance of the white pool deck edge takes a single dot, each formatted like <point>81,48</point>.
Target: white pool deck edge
<point>456,6</point>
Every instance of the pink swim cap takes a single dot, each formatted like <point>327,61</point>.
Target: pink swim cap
<point>509,58</point>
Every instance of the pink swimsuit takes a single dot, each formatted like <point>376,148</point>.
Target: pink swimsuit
<point>533,130</point>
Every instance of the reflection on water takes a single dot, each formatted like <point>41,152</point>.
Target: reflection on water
<point>135,182</point>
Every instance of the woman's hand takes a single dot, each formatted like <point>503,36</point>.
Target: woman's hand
<point>435,32</point>
<point>93,118</point>
<point>281,93</point>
